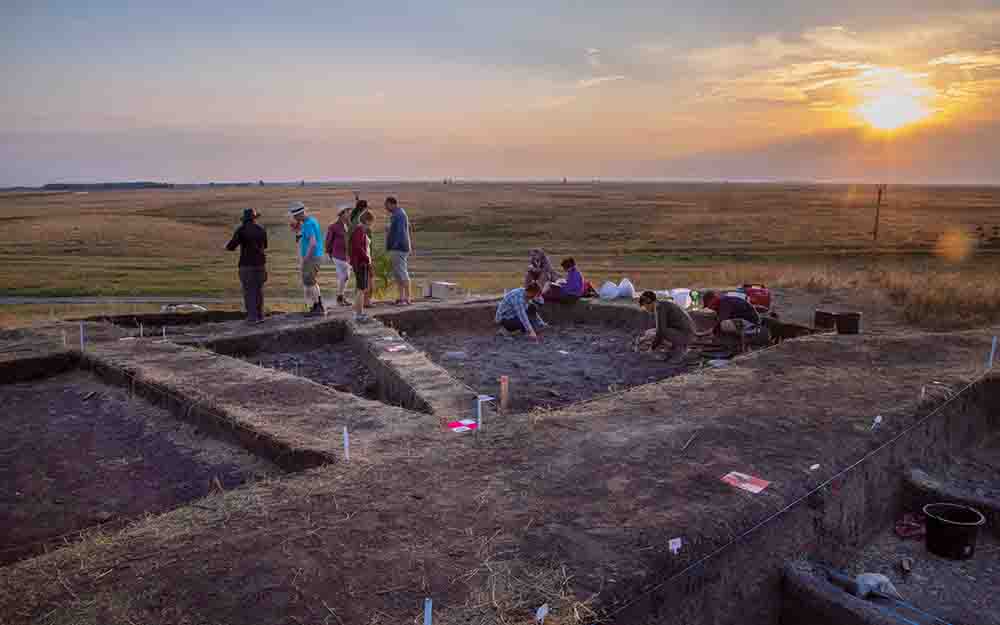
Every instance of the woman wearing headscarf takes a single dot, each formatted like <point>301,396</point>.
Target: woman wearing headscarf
<point>538,264</point>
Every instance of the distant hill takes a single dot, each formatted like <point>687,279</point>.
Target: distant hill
<point>106,186</point>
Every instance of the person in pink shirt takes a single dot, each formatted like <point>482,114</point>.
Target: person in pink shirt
<point>336,248</point>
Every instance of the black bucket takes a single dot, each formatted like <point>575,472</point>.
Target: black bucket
<point>824,320</point>
<point>849,323</point>
<point>952,530</point>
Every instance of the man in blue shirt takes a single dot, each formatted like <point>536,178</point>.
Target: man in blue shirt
<point>517,308</point>
<point>399,244</point>
<point>311,254</point>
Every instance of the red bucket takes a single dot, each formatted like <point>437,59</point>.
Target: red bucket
<point>758,295</point>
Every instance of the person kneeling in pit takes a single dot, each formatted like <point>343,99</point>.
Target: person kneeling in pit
<point>673,325</point>
<point>517,309</point>
<point>736,317</point>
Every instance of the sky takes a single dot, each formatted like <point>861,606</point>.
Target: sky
<point>887,91</point>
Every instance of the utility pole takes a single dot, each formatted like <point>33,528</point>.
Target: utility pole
<point>878,209</point>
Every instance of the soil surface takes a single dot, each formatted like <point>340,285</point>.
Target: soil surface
<point>336,365</point>
<point>77,453</point>
<point>962,592</point>
<point>571,364</point>
<point>978,470</point>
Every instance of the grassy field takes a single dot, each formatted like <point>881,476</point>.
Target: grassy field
<point>170,241</point>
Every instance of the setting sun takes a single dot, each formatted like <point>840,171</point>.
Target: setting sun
<point>893,99</point>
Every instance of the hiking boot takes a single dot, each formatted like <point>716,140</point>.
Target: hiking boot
<point>343,301</point>
<point>316,311</point>
<point>362,319</point>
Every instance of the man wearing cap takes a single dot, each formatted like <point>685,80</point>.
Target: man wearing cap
<point>336,248</point>
<point>252,241</point>
<point>311,252</point>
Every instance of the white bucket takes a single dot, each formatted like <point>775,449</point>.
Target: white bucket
<point>682,297</point>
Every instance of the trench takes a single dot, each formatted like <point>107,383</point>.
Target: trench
<point>83,451</point>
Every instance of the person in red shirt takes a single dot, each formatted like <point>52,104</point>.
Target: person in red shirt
<point>336,248</point>
<point>361,262</point>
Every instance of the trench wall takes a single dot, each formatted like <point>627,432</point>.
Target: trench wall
<point>216,421</point>
<point>167,319</point>
<point>294,338</point>
<point>743,583</point>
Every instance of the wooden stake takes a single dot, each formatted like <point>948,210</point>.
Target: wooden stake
<point>504,393</point>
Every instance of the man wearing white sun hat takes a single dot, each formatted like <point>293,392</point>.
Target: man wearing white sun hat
<point>311,252</point>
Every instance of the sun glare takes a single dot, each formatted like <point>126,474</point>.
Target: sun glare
<point>892,99</point>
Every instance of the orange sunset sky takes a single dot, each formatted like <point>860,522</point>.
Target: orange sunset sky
<point>848,91</point>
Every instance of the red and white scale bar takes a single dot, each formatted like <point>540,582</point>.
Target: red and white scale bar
<point>464,425</point>
<point>745,482</point>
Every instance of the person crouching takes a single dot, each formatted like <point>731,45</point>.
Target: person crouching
<point>734,315</point>
<point>673,325</point>
<point>517,309</point>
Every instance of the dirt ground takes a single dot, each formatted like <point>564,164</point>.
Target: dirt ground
<point>336,365</point>
<point>77,453</point>
<point>571,364</point>
<point>960,592</point>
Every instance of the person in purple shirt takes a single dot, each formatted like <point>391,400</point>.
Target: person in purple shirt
<point>570,289</point>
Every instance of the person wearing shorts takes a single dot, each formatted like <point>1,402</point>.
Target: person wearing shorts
<point>399,245</point>
<point>361,262</point>
<point>311,252</point>
<point>336,248</point>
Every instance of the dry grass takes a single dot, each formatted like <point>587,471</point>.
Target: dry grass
<point>169,241</point>
<point>935,296</point>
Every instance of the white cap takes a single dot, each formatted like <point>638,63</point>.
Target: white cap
<point>296,208</point>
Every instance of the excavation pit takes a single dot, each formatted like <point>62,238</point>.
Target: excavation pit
<point>79,454</point>
<point>335,365</point>
<point>572,363</point>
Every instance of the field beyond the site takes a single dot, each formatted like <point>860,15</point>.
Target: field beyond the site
<point>169,242</point>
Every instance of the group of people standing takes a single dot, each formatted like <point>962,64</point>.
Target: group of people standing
<point>348,242</point>
<point>347,245</point>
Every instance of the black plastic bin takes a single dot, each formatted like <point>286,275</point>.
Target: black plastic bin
<point>849,323</point>
<point>824,320</point>
<point>952,530</point>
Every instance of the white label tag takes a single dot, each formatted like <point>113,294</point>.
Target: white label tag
<point>674,545</point>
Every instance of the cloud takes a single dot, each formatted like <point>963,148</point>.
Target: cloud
<point>852,155</point>
<point>968,60</point>
<point>586,83</point>
<point>950,61</point>
<point>594,57</point>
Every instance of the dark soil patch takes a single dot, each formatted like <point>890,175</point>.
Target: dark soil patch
<point>571,364</point>
<point>337,365</point>
<point>77,453</point>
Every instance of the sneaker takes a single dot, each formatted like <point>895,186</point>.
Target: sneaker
<point>316,311</point>
<point>362,319</point>
<point>343,301</point>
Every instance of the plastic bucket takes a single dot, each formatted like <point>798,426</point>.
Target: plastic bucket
<point>849,323</point>
<point>681,297</point>
<point>952,530</point>
<point>824,320</point>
